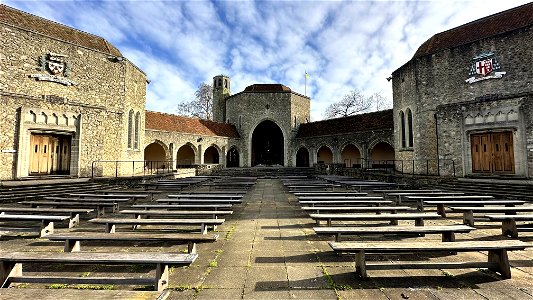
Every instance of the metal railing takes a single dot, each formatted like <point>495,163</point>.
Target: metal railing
<point>429,167</point>
<point>101,168</point>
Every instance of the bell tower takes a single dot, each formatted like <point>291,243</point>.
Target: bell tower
<point>221,90</point>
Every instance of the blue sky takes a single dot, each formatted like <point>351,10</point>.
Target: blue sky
<point>343,45</point>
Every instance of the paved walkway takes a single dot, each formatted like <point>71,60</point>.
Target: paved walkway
<point>271,252</point>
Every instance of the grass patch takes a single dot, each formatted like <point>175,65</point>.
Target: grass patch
<point>447,274</point>
<point>332,285</point>
<point>95,287</point>
<point>85,274</point>
<point>230,232</point>
<point>57,286</point>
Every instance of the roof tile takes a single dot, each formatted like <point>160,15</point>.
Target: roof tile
<point>168,122</point>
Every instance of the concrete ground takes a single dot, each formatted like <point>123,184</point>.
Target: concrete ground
<point>268,250</point>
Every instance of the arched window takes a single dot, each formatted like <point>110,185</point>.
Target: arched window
<point>409,128</point>
<point>130,128</point>
<point>402,128</point>
<point>136,134</point>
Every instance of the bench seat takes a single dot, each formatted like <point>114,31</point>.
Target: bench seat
<point>49,294</point>
<point>448,232</point>
<point>110,223</point>
<point>344,202</point>
<point>205,196</point>
<point>509,227</point>
<point>139,213</point>
<point>418,217</point>
<point>421,199</point>
<point>497,258</point>
<point>74,213</point>
<point>46,221</point>
<point>210,201</point>
<point>328,197</point>
<point>73,239</point>
<point>328,193</point>
<point>468,211</point>
<point>377,209</point>
<point>11,266</point>
<point>198,206</point>
<point>442,203</point>
<point>99,206</point>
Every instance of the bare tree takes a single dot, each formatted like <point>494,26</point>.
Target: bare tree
<point>355,102</point>
<point>201,106</point>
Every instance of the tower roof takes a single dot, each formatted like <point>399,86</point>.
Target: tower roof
<point>267,88</point>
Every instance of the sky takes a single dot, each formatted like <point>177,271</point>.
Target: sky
<point>342,45</point>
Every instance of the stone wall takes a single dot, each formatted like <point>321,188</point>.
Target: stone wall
<point>104,88</point>
<point>438,79</point>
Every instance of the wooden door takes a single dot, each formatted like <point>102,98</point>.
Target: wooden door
<point>492,152</point>
<point>35,153</point>
<point>64,158</point>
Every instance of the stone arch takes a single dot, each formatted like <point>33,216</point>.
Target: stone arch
<point>212,154</point>
<point>302,157</point>
<point>186,155</point>
<point>233,157</point>
<point>351,155</point>
<point>270,149</point>
<point>324,154</point>
<point>156,155</point>
<point>382,153</point>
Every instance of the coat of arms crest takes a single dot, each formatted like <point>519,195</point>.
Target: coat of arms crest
<point>57,67</point>
<point>484,66</point>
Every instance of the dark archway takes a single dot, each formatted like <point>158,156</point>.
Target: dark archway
<point>154,156</point>
<point>351,156</point>
<point>211,155</point>
<point>267,144</point>
<point>382,155</point>
<point>302,157</point>
<point>324,155</point>
<point>185,156</point>
<point>232,158</point>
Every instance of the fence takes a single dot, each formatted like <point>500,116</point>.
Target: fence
<point>436,167</point>
<point>116,168</point>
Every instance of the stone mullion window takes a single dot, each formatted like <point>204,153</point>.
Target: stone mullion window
<point>130,128</point>
<point>402,129</point>
<point>410,128</point>
<point>136,132</point>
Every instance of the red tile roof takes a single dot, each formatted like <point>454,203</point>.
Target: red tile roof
<point>168,122</point>
<point>267,88</point>
<point>20,19</point>
<point>512,19</point>
<point>379,120</point>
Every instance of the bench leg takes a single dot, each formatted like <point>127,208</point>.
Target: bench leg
<point>7,270</point>
<point>468,218</point>
<point>509,228</point>
<point>161,277</point>
<point>191,247</point>
<point>360,264</point>
<point>419,222</point>
<point>72,246</point>
<point>203,228</point>
<point>100,211</point>
<point>441,211</point>
<point>74,220</point>
<point>110,228</point>
<point>500,257</point>
<point>338,237</point>
<point>420,205</point>
<point>448,236</point>
<point>46,228</point>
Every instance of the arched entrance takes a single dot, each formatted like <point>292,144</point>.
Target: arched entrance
<point>382,155</point>
<point>211,155</point>
<point>155,156</point>
<point>351,156</point>
<point>185,156</point>
<point>232,158</point>
<point>302,157</point>
<point>324,155</point>
<point>267,144</point>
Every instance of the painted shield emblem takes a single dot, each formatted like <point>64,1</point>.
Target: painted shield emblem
<point>56,67</point>
<point>484,67</point>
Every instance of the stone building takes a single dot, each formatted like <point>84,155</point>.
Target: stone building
<point>465,99</point>
<point>67,97</point>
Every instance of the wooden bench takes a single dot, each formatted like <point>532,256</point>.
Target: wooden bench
<point>11,266</point>
<point>206,196</point>
<point>327,193</point>
<point>128,196</point>
<point>110,223</point>
<point>344,202</point>
<point>406,195</point>
<point>150,194</point>
<point>509,227</point>
<point>199,206</point>
<point>394,218</point>
<point>209,201</point>
<point>56,294</point>
<point>442,204</point>
<point>315,186</point>
<point>497,259</point>
<point>423,199</point>
<point>468,211</point>
<point>139,214</point>
<point>448,232</point>
<point>73,239</point>
<point>360,186</point>
<point>74,213</point>
<point>99,206</point>
<point>385,193</point>
<point>327,197</point>
<point>344,209</point>
<point>46,221</point>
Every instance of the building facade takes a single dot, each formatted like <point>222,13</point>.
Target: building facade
<point>67,97</point>
<point>464,102</point>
